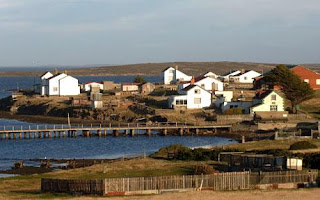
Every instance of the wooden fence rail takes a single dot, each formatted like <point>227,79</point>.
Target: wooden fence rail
<point>141,185</point>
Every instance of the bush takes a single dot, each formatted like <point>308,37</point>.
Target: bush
<point>302,145</point>
<point>203,169</point>
<point>201,154</point>
<point>234,111</point>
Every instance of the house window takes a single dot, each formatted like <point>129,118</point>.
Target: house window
<point>171,70</point>
<point>318,82</point>
<point>245,78</point>
<point>306,80</point>
<point>273,108</point>
<point>273,97</point>
<point>197,100</point>
<point>202,85</point>
<point>197,91</point>
<point>181,102</point>
<point>55,89</point>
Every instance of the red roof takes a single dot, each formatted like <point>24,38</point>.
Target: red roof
<point>307,74</point>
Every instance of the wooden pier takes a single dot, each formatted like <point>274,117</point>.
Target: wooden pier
<point>62,131</point>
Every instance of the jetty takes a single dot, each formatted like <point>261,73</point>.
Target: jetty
<point>102,130</point>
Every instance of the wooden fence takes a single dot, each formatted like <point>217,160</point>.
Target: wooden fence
<point>145,185</point>
<point>95,187</point>
<point>283,177</point>
<point>223,181</point>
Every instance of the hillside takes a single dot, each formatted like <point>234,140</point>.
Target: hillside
<point>191,68</point>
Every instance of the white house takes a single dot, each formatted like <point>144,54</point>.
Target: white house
<point>130,87</point>
<point>173,75</point>
<point>191,97</point>
<point>267,101</point>
<point>207,83</point>
<point>211,74</point>
<point>227,76</point>
<point>61,84</point>
<point>41,87</point>
<point>245,76</point>
<point>87,86</point>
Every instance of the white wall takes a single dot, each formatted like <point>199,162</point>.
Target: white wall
<point>169,76</point>
<point>129,87</point>
<point>53,85</point>
<point>205,83</point>
<point>248,77</point>
<point>190,96</point>
<point>267,102</point>
<point>69,86</point>
<point>204,96</point>
<point>87,86</point>
<point>228,95</point>
<point>237,104</point>
<point>180,76</point>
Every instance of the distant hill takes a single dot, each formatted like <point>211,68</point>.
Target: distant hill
<point>190,68</point>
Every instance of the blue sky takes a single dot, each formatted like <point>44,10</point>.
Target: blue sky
<point>80,32</point>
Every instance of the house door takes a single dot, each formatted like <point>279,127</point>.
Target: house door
<point>214,86</point>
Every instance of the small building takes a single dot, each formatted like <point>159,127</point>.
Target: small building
<point>207,83</point>
<point>108,85</point>
<point>225,105</point>
<point>60,84</point>
<point>267,101</point>
<point>308,76</point>
<point>88,86</point>
<point>191,97</point>
<point>173,75</point>
<point>239,161</point>
<point>130,87</point>
<point>146,88</point>
<point>245,76</point>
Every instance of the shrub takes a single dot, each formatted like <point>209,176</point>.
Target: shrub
<point>203,169</point>
<point>234,111</point>
<point>201,154</point>
<point>302,145</point>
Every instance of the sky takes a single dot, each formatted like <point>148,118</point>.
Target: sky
<point>82,32</point>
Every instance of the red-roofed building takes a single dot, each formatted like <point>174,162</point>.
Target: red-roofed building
<point>308,76</point>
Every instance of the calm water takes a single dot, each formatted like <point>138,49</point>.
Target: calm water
<point>7,83</point>
<point>94,147</point>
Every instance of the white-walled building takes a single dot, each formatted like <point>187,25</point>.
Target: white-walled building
<point>267,101</point>
<point>87,86</point>
<point>228,75</point>
<point>60,84</point>
<point>247,76</point>
<point>207,83</point>
<point>211,74</point>
<point>130,87</point>
<point>41,87</point>
<point>191,97</point>
<point>172,75</point>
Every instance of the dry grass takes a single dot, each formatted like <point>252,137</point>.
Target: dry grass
<point>28,187</point>
<point>269,144</point>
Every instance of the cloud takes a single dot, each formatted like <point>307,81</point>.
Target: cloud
<point>10,3</point>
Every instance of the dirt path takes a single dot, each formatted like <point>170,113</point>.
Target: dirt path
<point>306,194</point>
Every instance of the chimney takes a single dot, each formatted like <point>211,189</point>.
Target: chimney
<point>192,81</point>
<point>176,67</point>
<point>243,71</point>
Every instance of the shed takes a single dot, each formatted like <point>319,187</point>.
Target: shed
<point>146,88</point>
